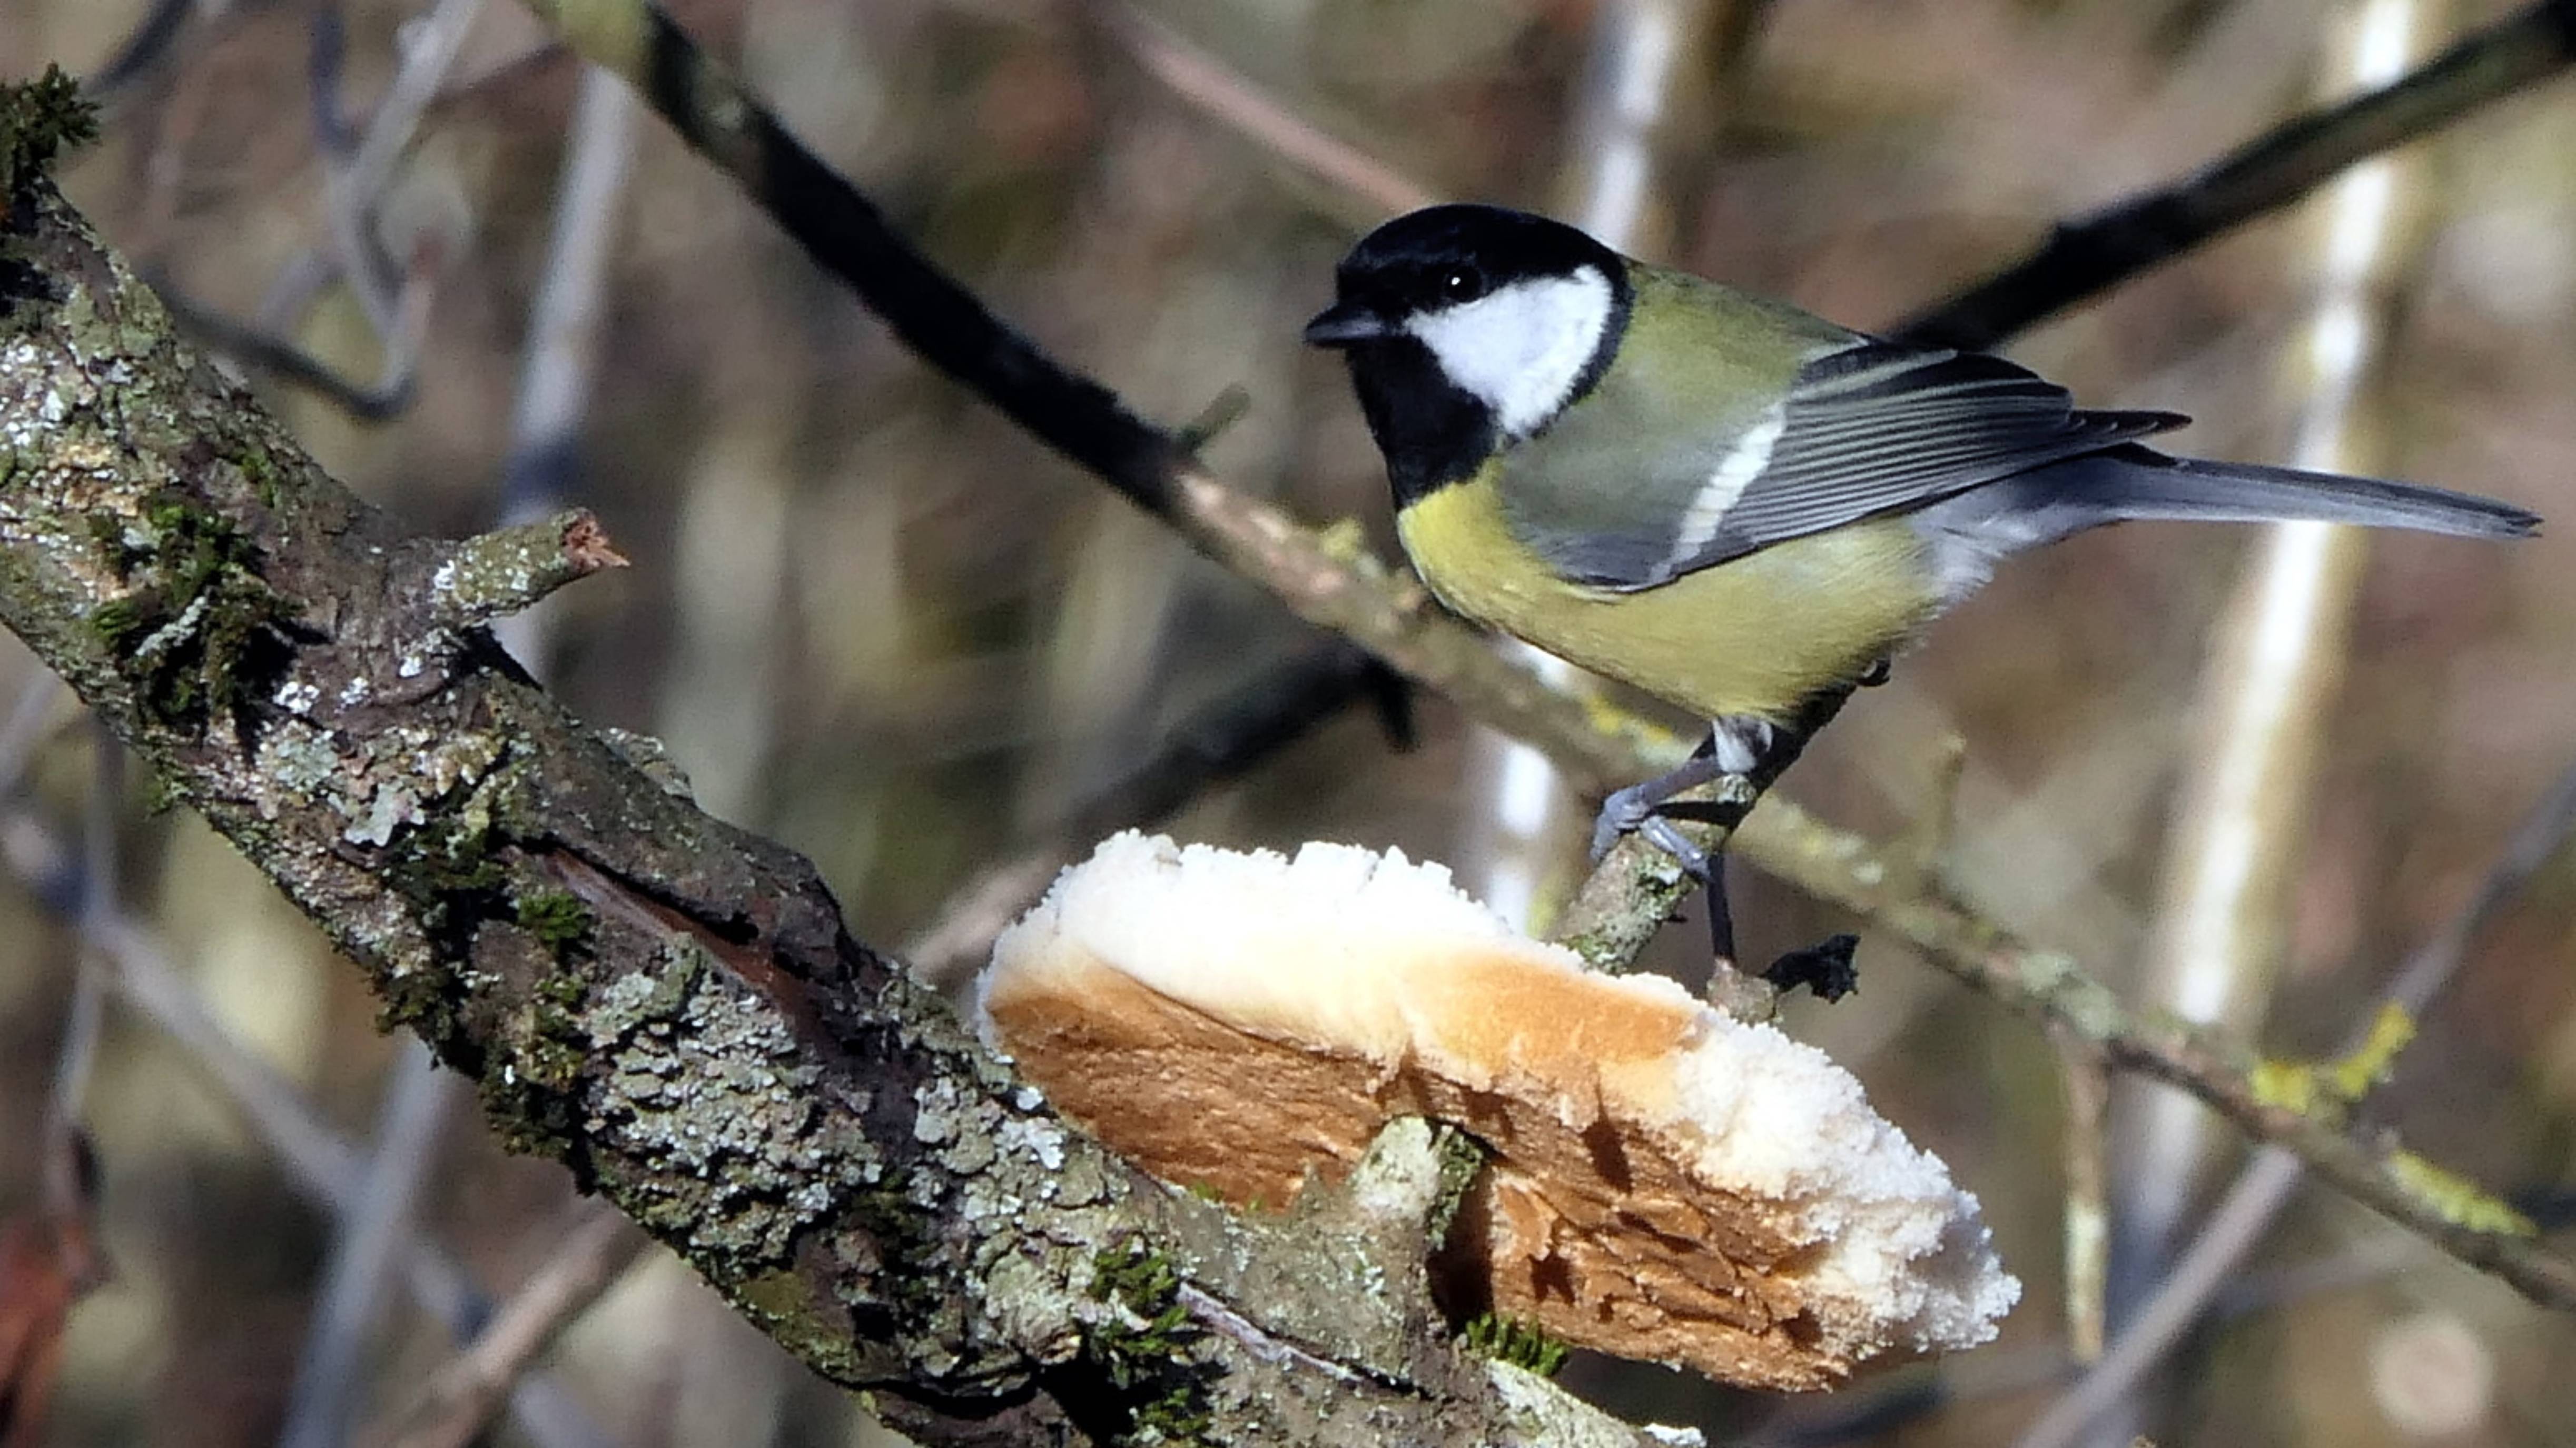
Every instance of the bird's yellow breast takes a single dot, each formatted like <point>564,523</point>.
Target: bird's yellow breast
<point>1757,636</point>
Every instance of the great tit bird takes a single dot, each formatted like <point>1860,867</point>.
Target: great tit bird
<point>1725,501</point>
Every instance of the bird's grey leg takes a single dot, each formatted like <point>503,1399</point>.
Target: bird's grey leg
<point>1734,746</point>
<point>1757,751</point>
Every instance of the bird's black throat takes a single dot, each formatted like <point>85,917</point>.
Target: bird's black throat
<point>1432,431</point>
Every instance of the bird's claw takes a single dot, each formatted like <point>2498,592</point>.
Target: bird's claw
<point>1637,809</point>
<point>1624,812</point>
<point>1694,861</point>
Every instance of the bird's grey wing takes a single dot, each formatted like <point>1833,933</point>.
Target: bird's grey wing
<point>1868,429</point>
<point>1603,492</point>
<point>1879,428</point>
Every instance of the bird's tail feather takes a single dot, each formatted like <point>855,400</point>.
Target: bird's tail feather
<point>2139,483</point>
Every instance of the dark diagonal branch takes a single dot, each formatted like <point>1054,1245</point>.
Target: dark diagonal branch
<point>376,401</point>
<point>846,235</point>
<point>1322,577</point>
<point>2085,258</point>
<point>142,48</point>
<point>668,1006</point>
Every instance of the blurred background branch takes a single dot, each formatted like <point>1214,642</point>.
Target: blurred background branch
<point>1223,742</point>
<point>456,1404</point>
<point>2232,1228</point>
<point>317,1160</point>
<point>1373,189</point>
<point>2086,257</point>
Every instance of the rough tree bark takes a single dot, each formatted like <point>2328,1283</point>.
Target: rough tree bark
<point>669,1006</point>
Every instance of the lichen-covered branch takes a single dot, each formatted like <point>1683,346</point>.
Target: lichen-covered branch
<point>1326,576</point>
<point>668,1006</point>
<point>496,574</point>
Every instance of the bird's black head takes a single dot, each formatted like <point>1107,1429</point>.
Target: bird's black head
<point>1468,328</point>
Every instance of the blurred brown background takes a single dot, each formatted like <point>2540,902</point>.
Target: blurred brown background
<point>873,620</point>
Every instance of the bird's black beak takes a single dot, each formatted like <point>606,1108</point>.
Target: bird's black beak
<point>1345,323</point>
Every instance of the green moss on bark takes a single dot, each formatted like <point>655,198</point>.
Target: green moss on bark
<point>530,1117</point>
<point>1141,1345</point>
<point>202,626</point>
<point>559,921</point>
<point>448,871</point>
<point>1511,1340</point>
<point>38,119</point>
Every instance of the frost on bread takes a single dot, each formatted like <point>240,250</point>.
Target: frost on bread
<point>1666,1183</point>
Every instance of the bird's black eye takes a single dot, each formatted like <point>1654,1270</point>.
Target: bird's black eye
<point>1463,285</point>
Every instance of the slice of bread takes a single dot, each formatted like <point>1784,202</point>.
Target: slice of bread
<point>1666,1182</point>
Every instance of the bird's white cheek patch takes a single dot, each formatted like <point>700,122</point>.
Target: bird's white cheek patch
<point>1521,349</point>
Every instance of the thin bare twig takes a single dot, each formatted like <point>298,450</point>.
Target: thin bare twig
<point>452,1408</point>
<point>1934,830</point>
<point>265,351</point>
<point>367,1245</point>
<point>559,361</point>
<point>2088,1207</point>
<point>1235,101</point>
<point>358,164</point>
